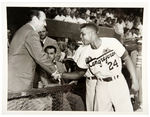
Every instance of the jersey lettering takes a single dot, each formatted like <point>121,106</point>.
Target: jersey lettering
<point>101,59</point>
<point>106,57</point>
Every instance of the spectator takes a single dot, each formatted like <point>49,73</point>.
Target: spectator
<point>81,18</point>
<point>47,41</point>
<point>60,16</point>
<point>63,47</point>
<point>138,25</point>
<point>129,23</point>
<point>88,12</point>
<point>119,27</point>
<point>102,19</point>
<point>132,34</point>
<point>128,35</point>
<point>98,19</point>
<point>93,19</point>
<point>108,22</point>
<point>72,46</point>
<point>109,14</point>
<point>70,17</point>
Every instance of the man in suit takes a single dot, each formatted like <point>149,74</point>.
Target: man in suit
<point>25,51</point>
<point>47,41</point>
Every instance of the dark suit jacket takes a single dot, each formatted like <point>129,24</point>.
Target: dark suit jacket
<point>24,52</point>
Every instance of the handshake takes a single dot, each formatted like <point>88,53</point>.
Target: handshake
<point>57,76</point>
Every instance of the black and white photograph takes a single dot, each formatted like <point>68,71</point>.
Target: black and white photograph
<point>75,59</point>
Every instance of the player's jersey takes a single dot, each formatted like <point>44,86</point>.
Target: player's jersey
<point>77,56</point>
<point>104,61</point>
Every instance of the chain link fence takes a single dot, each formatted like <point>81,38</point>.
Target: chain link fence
<point>45,99</point>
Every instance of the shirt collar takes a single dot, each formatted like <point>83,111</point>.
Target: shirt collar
<point>44,40</point>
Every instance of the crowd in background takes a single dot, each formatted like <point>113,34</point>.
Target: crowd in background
<point>127,24</point>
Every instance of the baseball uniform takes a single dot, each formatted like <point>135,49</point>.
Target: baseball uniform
<point>111,87</point>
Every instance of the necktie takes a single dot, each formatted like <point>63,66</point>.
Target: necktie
<point>42,44</point>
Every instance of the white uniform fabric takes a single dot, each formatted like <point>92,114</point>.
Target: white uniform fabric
<point>90,94</point>
<point>90,84</point>
<point>106,62</point>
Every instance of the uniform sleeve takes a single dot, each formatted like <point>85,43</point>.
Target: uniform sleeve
<point>77,54</point>
<point>35,50</point>
<point>79,57</point>
<point>117,47</point>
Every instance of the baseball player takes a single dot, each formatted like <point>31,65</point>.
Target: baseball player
<point>103,59</point>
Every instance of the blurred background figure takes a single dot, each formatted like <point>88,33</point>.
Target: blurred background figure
<point>63,48</point>
<point>119,27</point>
<point>70,16</point>
<point>60,15</point>
<point>136,56</point>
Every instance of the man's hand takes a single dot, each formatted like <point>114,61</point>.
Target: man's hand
<point>56,75</point>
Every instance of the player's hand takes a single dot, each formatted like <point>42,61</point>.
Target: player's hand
<point>135,85</point>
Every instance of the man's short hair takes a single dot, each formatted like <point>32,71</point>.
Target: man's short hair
<point>32,13</point>
<point>50,47</point>
<point>90,25</point>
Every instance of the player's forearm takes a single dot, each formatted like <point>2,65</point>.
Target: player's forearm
<point>130,67</point>
<point>73,75</point>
